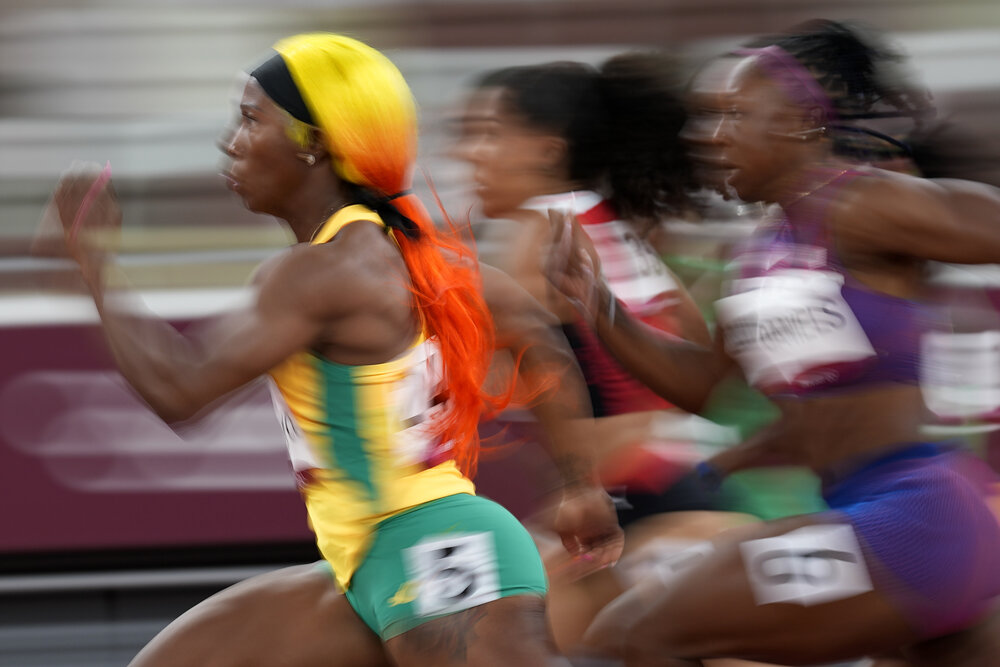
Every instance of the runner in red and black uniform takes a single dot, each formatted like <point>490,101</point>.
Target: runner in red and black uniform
<point>602,145</point>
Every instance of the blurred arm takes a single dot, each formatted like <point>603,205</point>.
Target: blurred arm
<point>773,445</point>
<point>682,371</point>
<point>548,369</point>
<point>178,375</point>
<point>585,520</point>
<point>691,325</point>
<point>941,220</point>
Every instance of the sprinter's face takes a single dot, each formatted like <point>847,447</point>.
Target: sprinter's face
<point>510,159</point>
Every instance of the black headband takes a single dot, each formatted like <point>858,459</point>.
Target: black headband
<point>274,77</point>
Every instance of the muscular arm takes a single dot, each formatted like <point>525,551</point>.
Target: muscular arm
<point>548,369</point>
<point>690,323</point>
<point>681,371</point>
<point>941,220</point>
<point>523,262</point>
<point>585,521</point>
<point>178,375</point>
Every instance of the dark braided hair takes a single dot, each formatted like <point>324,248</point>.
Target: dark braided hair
<point>621,125</point>
<point>865,79</point>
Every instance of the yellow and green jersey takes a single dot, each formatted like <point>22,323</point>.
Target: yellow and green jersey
<point>358,436</point>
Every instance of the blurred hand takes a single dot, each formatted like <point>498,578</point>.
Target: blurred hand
<point>88,210</point>
<point>588,526</point>
<point>572,265</point>
<point>777,444</point>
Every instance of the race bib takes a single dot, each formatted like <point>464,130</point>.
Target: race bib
<point>299,451</point>
<point>453,572</point>
<point>808,566</point>
<point>960,374</point>
<point>414,395</point>
<point>793,330</point>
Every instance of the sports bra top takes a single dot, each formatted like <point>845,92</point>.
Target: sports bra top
<point>799,323</point>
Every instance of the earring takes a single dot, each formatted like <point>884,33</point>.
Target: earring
<point>818,131</point>
<point>308,158</point>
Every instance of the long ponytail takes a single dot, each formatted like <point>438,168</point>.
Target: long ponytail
<point>368,116</point>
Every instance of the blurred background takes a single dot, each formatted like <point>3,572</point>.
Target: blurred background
<point>111,524</point>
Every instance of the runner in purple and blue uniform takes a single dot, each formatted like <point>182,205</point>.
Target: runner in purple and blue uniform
<point>825,316</point>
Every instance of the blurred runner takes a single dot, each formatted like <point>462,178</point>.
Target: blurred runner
<point>824,316</point>
<point>555,137</point>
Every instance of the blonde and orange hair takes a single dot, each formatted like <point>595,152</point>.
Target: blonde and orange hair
<point>364,107</point>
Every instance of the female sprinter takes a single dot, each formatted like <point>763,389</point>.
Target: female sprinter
<point>376,336</point>
<point>603,145</point>
<point>826,318</point>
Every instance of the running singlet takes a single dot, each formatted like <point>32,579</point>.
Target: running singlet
<point>357,436</point>
<point>640,282</point>
<point>798,323</point>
